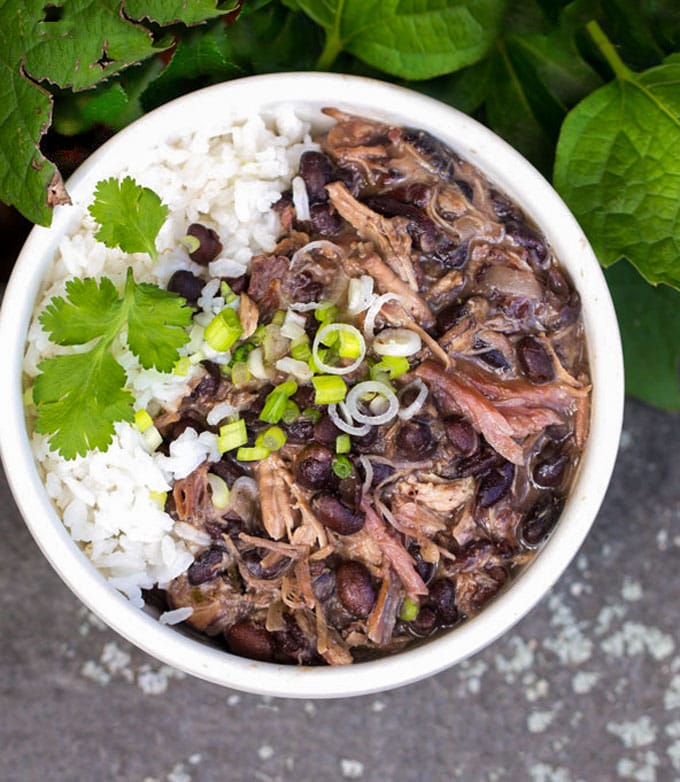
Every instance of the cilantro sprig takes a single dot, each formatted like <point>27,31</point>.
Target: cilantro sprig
<point>129,216</point>
<point>80,396</point>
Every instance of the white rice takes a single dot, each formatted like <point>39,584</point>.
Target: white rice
<point>226,179</point>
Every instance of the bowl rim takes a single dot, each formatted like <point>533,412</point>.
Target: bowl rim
<point>505,167</point>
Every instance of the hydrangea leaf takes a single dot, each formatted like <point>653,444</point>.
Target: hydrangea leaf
<point>189,12</point>
<point>618,168</point>
<point>413,39</point>
<point>650,328</point>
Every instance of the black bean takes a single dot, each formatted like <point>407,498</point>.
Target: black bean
<point>486,587</point>
<point>480,462</point>
<point>324,220</point>
<point>316,169</point>
<point>462,435</point>
<point>539,522</point>
<point>300,431</point>
<point>365,443</point>
<point>550,468</point>
<point>355,588</point>
<point>414,441</point>
<point>313,467</point>
<point>301,286</point>
<point>203,567</point>
<point>437,154</point>
<point>248,639</point>
<point>504,208</point>
<point>557,282</point>
<point>381,472</point>
<point>450,315</point>
<point>208,385</point>
<point>325,431</point>
<point>494,485</point>
<point>442,596</point>
<point>228,469</point>
<point>349,490</point>
<point>351,177</point>
<point>336,515</point>
<point>292,643</point>
<point>238,284</point>
<point>530,240</point>
<point>253,562</point>
<point>450,254</point>
<point>571,310</point>
<point>209,244</point>
<point>424,623</point>
<point>535,360</point>
<point>495,359</point>
<point>186,284</point>
<point>465,188</point>
<point>188,420</point>
<point>323,585</point>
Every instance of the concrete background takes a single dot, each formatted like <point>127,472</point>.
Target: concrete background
<point>584,689</point>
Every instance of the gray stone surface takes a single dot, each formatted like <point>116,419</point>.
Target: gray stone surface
<point>586,688</point>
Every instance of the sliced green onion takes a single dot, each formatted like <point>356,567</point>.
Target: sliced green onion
<point>191,243</point>
<point>257,337</point>
<point>227,293</point>
<point>395,366</point>
<point>351,344</point>
<point>182,366</point>
<point>241,352</point>
<point>232,436</point>
<point>329,389</point>
<point>252,454</point>
<point>276,402</point>
<point>273,439</point>
<point>312,414</point>
<point>291,413</point>
<point>299,348</point>
<point>409,610</point>
<point>223,330</point>
<point>159,497</point>
<point>343,444</point>
<point>152,438</point>
<point>240,374</point>
<point>326,313</point>
<point>219,491</point>
<point>143,420</point>
<point>352,337</point>
<point>279,317</point>
<point>342,466</point>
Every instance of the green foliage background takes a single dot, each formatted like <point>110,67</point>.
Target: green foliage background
<point>588,90</point>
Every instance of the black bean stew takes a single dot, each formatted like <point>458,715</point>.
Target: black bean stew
<point>343,542</point>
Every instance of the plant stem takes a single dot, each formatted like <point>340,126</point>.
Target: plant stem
<point>333,44</point>
<point>331,50</point>
<point>621,70</point>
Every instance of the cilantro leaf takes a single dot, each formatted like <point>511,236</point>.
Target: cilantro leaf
<point>618,168</point>
<point>89,312</point>
<point>650,327</point>
<point>129,216</point>
<point>79,396</point>
<point>156,320</point>
<point>418,39</point>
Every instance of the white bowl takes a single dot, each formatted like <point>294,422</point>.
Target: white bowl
<point>512,174</point>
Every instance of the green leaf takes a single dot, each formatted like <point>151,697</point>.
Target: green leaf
<point>650,327</point>
<point>156,325</point>
<point>618,168</point>
<point>78,398</point>
<point>198,61</point>
<point>129,216</point>
<point>189,12</point>
<point>88,312</point>
<point>79,43</point>
<point>413,39</point>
